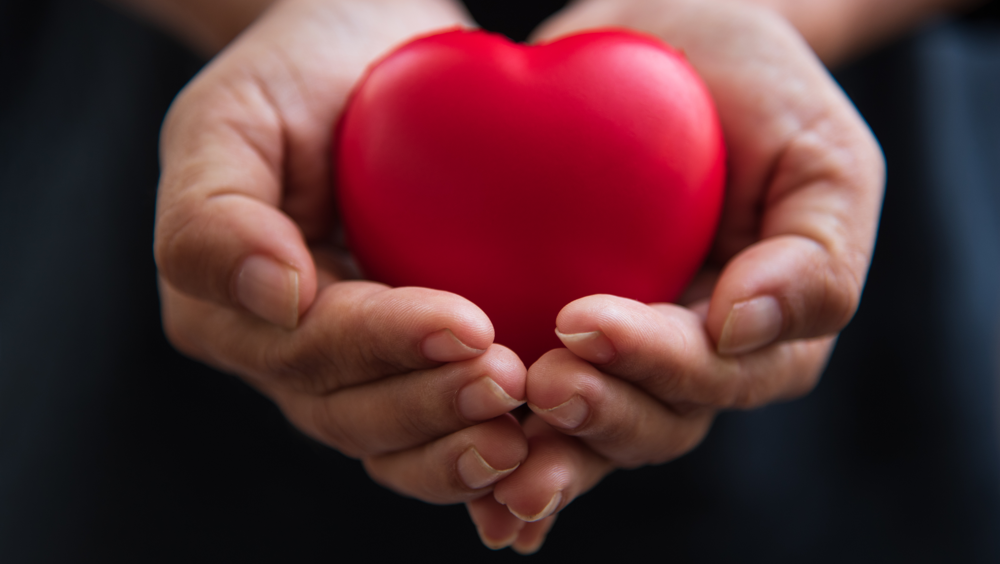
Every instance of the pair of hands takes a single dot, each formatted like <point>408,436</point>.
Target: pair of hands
<point>409,379</point>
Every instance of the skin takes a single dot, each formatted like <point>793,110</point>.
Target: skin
<point>205,26</point>
<point>804,192</point>
<point>407,379</point>
<point>798,227</point>
<point>837,30</point>
<point>355,364</point>
<point>841,30</point>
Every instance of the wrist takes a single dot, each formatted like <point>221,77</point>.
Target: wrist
<point>204,26</point>
<point>363,30</point>
<point>208,26</point>
<point>840,30</point>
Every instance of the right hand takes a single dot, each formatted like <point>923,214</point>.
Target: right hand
<point>406,379</point>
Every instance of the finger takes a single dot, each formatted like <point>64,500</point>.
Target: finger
<point>616,419</point>
<point>532,536</point>
<point>407,410</point>
<point>804,278</point>
<point>804,192</point>
<point>557,470</point>
<point>821,200</point>
<point>496,526</point>
<point>356,332</point>
<point>220,235</point>
<point>457,468</point>
<point>804,196</point>
<point>664,350</point>
<point>245,152</point>
<point>805,174</point>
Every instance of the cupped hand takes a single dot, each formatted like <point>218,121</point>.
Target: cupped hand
<point>406,379</point>
<point>640,384</point>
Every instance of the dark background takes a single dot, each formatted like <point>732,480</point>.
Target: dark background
<point>114,448</point>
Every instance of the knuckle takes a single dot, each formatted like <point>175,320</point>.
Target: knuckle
<point>367,340</point>
<point>328,428</point>
<point>282,365</point>
<point>828,295</point>
<point>841,298</point>
<point>750,391</point>
<point>372,351</point>
<point>627,437</point>
<point>336,355</point>
<point>171,249</point>
<point>412,417</point>
<point>681,440</point>
<point>787,373</point>
<point>303,371</point>
<point>373,344</point>
<point>675,376</point>
<point>716,392</point>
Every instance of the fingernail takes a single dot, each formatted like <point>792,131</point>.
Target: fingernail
<point>476,473</point>
<point>545,512</point>
<point>751,325</point>
<point>497,544</point>
<point>593,346</point>
<point>568,415</point>
<point>444,346</point>
<point>270,290</point>
<point>484,399</point>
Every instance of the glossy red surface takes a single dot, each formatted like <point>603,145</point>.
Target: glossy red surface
<point>524,177</point>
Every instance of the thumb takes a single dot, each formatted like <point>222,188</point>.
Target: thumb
<point>220,235</point>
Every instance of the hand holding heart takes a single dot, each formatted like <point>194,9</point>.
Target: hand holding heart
<point>250,284</point>
<point>640,384</point>
<point>405,379</point>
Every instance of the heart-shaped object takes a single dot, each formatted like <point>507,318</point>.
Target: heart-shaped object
<point>524,177</point>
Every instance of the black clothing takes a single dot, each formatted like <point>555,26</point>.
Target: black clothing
<point>114,448</point>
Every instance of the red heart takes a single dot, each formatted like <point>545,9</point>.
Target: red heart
<point>524,177</point>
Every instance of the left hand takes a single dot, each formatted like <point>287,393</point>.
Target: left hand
<point>641,384</point>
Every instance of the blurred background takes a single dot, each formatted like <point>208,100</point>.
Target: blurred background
<point>114,448</point>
